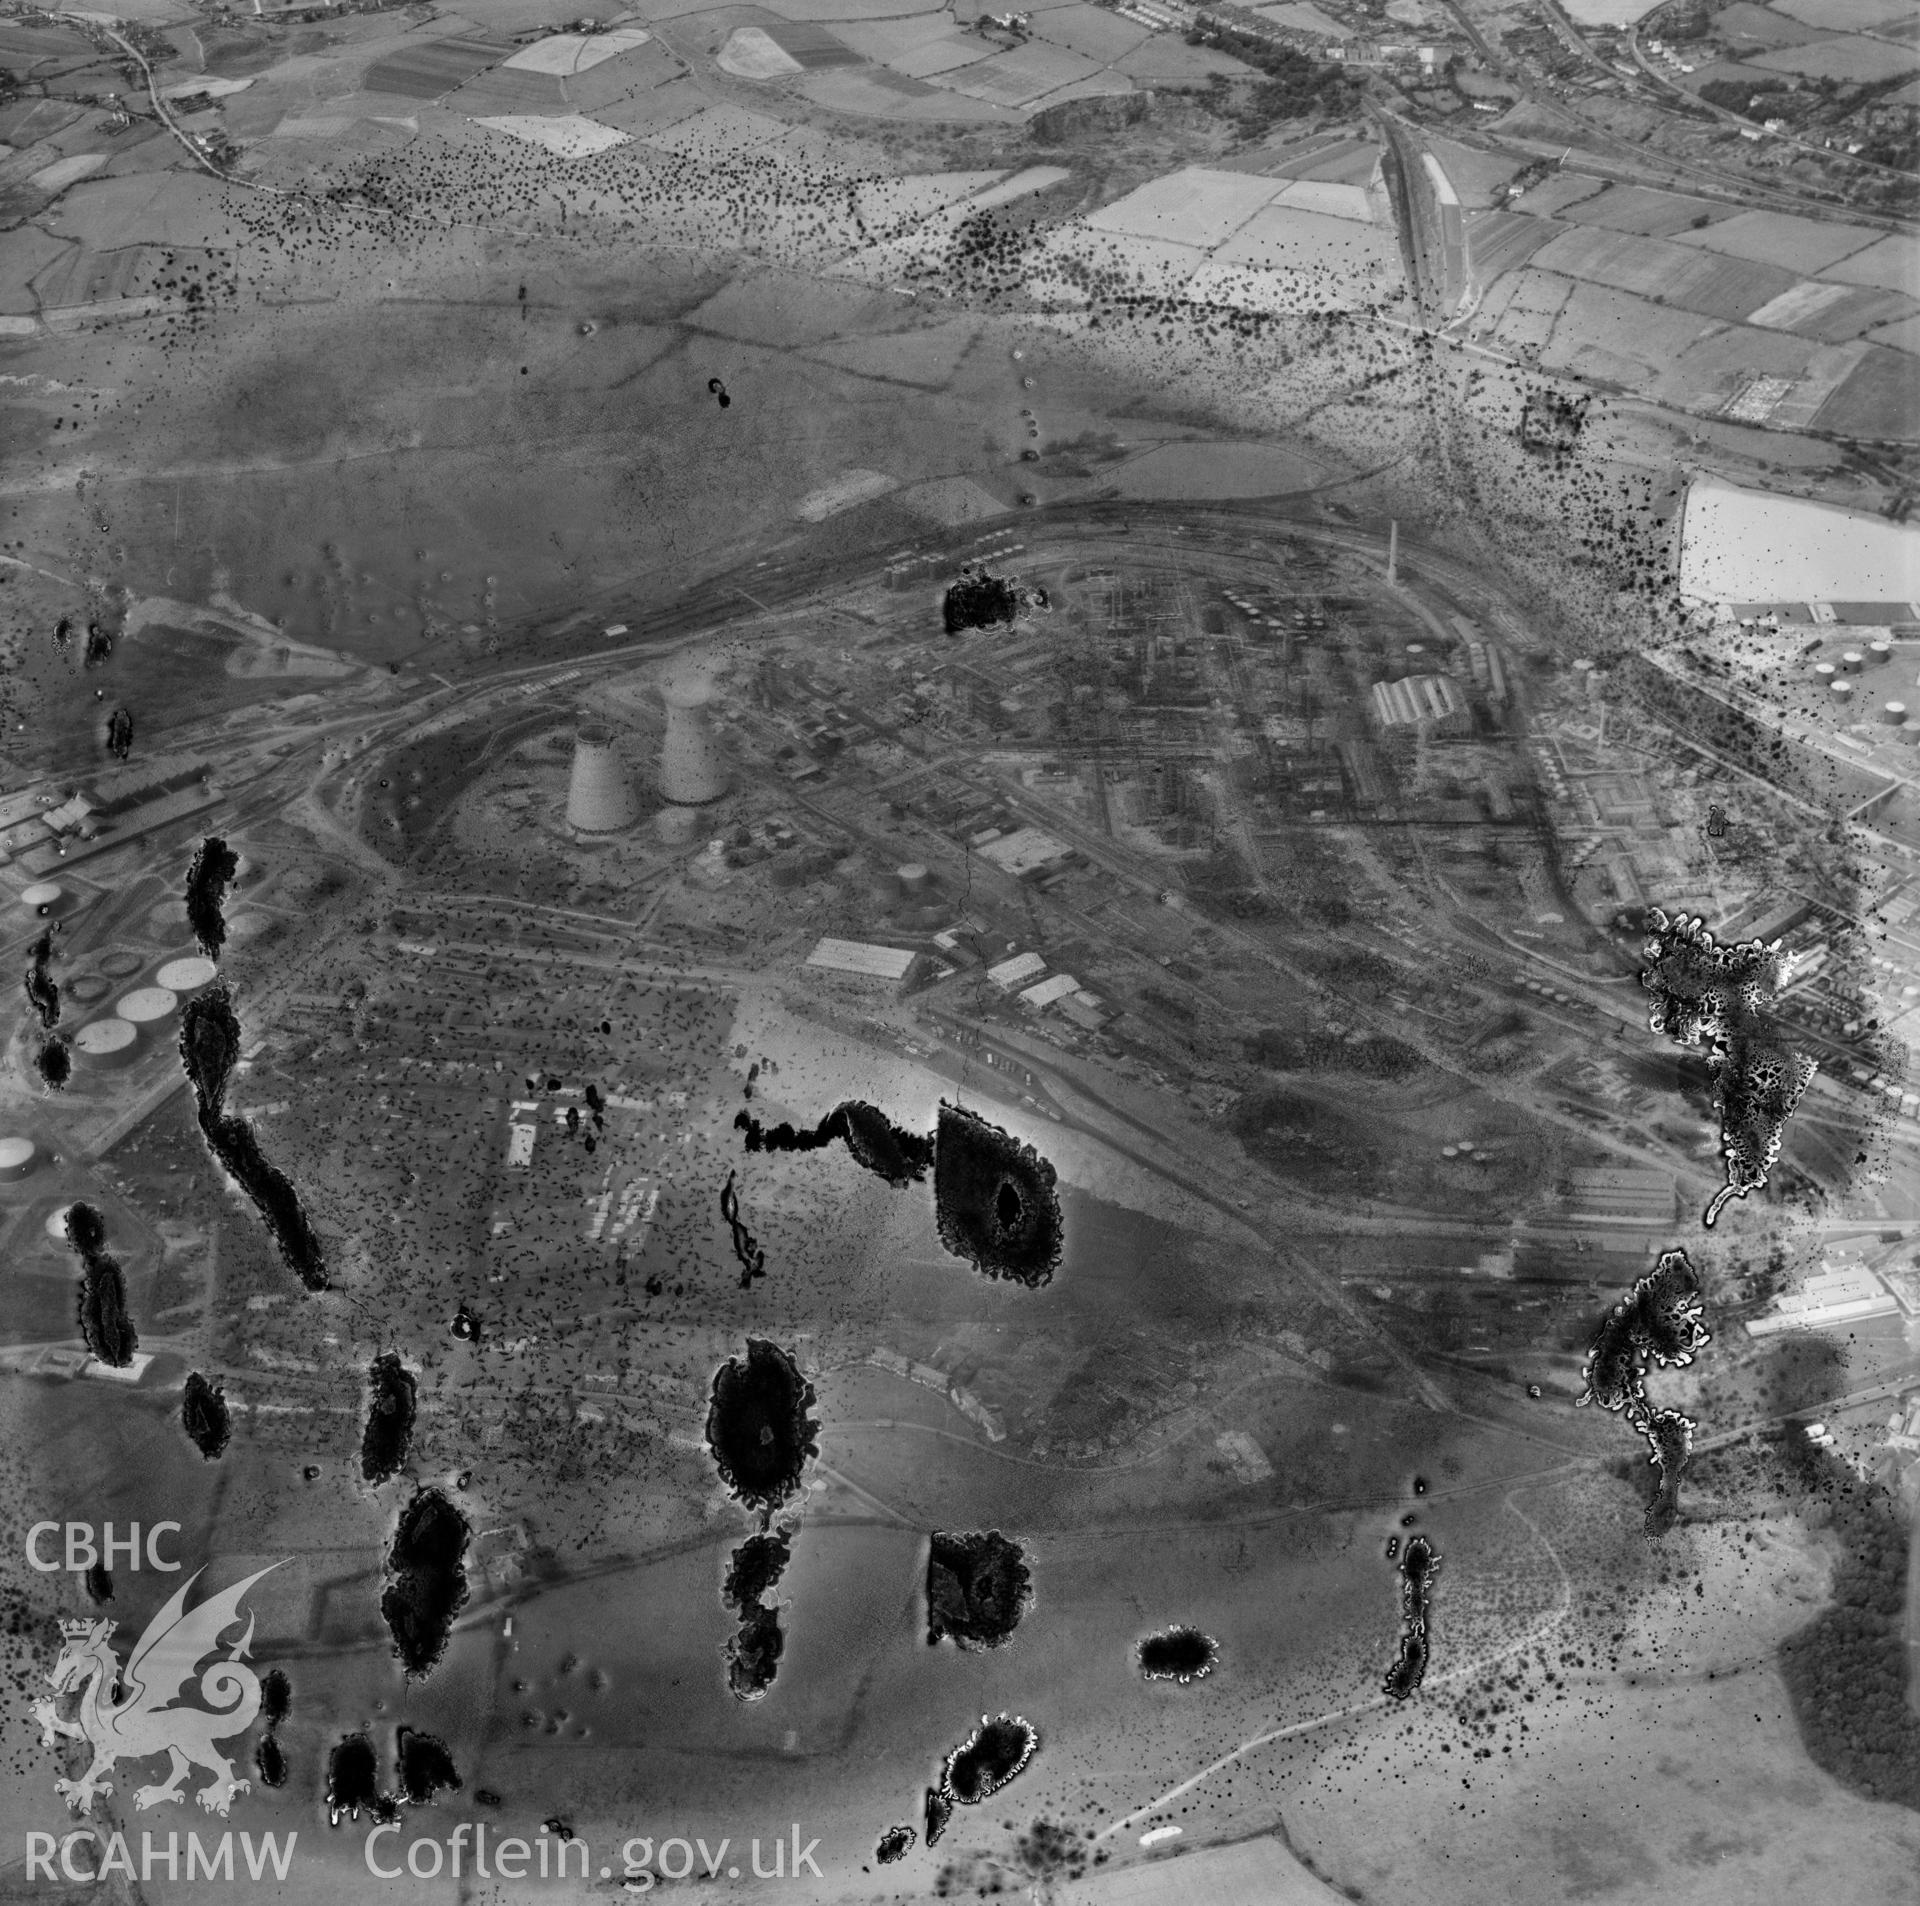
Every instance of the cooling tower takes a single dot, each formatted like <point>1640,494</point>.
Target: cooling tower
<point>600,798</point>
<point>691,773</point>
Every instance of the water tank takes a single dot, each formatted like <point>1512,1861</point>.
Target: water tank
<point>186,975</point>
<point>600,797</point>
<point>105,1043</point>
<point>914,880</point>
<point>691,773</point>
<point>148,1005</point>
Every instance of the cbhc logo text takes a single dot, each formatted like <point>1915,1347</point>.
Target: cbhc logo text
<point>82,1552</point>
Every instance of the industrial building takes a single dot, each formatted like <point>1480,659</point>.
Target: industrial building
<point>1429,703</point>
<point>1839,1295</point>
<point>1620,1194</point>
<point>863,959</point>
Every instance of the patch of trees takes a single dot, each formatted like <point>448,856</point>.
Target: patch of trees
<point>1296,85</point>
<point>1846,1671</point>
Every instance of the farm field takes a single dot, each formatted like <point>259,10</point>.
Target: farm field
<point>1716,287</point>
<point>1881,399</point>
<point>1746,24</point>
<point>1832,312</point>
<point>1857,16</point>
<point>1557,191</point>
<point>1635,208</point>
<point>1501,242</point>
<point>1846,59</point>
<point>1195,207</point>
<point>1804,245</point>
<point>1614,339</point>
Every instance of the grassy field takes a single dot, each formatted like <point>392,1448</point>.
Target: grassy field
<point>1806,245</point>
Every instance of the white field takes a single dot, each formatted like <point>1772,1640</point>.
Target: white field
<point>1192,207</point>
<point>563,53</point>
<point>753,53</point>
<point>1747,546</point>
<point>569,135</point>
<point>1609,12</point>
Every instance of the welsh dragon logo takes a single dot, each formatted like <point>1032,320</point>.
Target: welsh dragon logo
<point>147,1709</point>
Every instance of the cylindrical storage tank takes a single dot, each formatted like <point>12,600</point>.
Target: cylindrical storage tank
<point>1853,662</point>
<point>1910,732</point>
<point>1879,650</point>
<point>1893,713</point>
<point>1824,672</point>
<point>17,1157</point>
<point>1842,688</point>
<point>106,1043</point>
<point>600,797</point>
<point>148,1006</point>
<point>914,879</point>
<point>187,975</point>
<point>48,900</point>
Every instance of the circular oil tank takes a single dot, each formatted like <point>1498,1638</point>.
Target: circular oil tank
<point>1841,687</point>
<point>48,899</point>
<point>148,1005</point>
<point>1878,651</point>
<point>1893,713</point>
<point>88,989</point>
<point>121,964</point>
<point>914,879</point>
<point>17,1157</point>
<point>106,1043</point>
<point>1852,662</point>
<point>186,975</point>
<point>1824,671</point>
<point>1910,732</point>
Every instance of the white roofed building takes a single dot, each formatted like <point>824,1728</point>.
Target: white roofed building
<point>1421,702</point>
